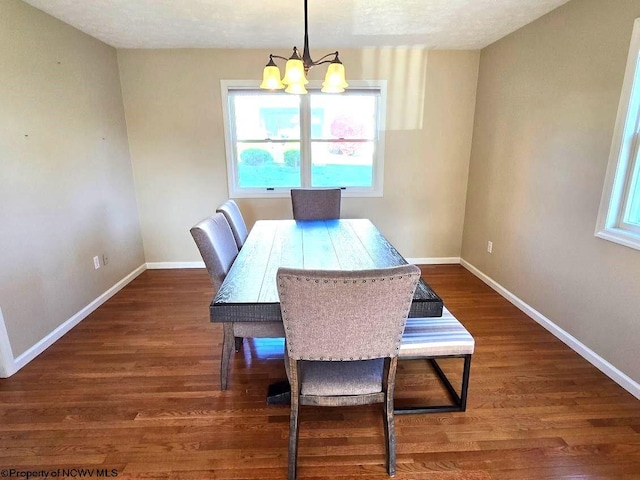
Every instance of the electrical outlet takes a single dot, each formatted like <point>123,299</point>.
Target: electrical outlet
<point>96,262</point>
<point>490,246</point>
<point>105,259</point>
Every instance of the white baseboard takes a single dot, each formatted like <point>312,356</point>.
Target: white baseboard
<point>171,265</point>
<point>581,349</point>
<point>12,365</point>
<point>434,260</point>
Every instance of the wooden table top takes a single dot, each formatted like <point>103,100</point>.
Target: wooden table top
<point>249,292</point>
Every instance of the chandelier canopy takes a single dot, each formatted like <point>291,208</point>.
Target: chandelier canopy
<point>296,69</point>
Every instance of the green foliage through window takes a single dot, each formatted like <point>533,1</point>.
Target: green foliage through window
<point>292,158</point>
<point>256,157</point>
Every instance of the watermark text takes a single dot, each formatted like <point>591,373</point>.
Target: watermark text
<point>58,473</point>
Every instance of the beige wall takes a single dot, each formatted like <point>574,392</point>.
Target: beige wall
<point>546,107</point>
<point>175,127</point>
<point>66,185</point>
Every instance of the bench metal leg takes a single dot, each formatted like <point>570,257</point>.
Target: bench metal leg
<point>459,402</point>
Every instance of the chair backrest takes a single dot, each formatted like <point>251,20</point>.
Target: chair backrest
<point>217,246</point>
<point>233,215</point>
<point>316,204</point>
<point>345,315</point>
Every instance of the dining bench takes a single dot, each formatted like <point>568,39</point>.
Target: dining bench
<point>437,338</point>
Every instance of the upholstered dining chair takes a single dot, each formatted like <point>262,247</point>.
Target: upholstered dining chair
<point>316,203</point>
<point>343,331</point>
<point>232,213</point>
<point>218,248</point>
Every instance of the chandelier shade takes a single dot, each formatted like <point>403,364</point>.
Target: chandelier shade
<point>334,81</point>
<point>296,88</point>
<point>271,77</point>
<point>297,68</point>
<point>294,71</point>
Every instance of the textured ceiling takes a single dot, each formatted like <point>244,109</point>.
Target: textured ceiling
<point>438,24</point>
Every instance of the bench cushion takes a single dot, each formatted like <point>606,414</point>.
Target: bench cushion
<point>435,336</point>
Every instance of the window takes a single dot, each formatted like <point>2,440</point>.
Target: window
<point>276,141</point>
<point>619,215</point>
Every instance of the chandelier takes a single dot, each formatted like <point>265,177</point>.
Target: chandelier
<point>296,69</point>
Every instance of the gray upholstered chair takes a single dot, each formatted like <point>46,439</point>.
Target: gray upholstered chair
<point>218,248</point>
<point>343,331</point>
<point>316,204</point>
<point>233,215</point>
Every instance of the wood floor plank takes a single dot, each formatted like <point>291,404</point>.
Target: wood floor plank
<point>134,387</point>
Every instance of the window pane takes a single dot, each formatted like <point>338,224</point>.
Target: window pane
<point>633,212</point>
<point>334,119</point>
<point>342,164</point>
<point>261,116</point>
<point>268,164</point>
<point>343,116</point>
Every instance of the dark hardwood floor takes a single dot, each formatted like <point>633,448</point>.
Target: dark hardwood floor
<point>134,388</point>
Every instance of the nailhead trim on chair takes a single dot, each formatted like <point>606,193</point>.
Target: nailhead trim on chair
<point>297,278</point>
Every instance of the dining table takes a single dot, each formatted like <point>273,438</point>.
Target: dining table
<point>249,293</point>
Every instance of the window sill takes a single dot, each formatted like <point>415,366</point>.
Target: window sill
<point>286,193</point>
<point>620,236</point>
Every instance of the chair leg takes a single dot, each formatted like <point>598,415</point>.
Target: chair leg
<point>228,341</point>
<point>294,424</point>
<point>238,341</point>
<point>293,438</point>
<point>389,424</point>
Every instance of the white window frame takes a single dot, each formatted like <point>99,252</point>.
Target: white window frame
<point>376,190</point>
<point>624,164</point>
